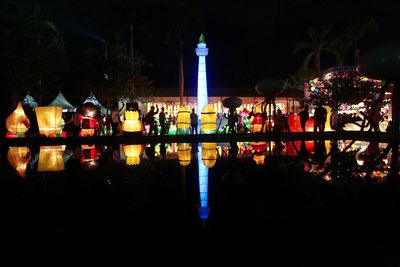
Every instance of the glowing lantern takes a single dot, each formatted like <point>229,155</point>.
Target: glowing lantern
<point>51,159</point>
<point>328,119</point>
<point>132,124</point>
<point>209,154</point>
<point>208,119</point>
<point>183,120</point>
<point>310,125</point>
<point>132,153</point>
<point>184,154</point>
<point>17,123</point>
<point>294,123</point>
<point>256,123</point>
<point>49,120</point>
<point>259,159</point>
<point>19,158</point>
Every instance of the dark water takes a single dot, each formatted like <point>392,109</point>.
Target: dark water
<point>255,205</point>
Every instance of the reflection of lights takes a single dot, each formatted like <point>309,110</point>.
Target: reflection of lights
<point>259,159</point>
<point>132,153</point>
<point>203,185</point>
<point>184,154</point>
<point>51,158</point>
<point>19,158</point>
<point>209,154</point>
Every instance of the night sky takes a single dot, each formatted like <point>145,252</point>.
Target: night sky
<point>247,40</point>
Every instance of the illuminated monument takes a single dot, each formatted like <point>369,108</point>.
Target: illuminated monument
<point>202,95</point>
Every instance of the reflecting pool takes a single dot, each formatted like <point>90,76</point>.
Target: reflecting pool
<point>105,200</point>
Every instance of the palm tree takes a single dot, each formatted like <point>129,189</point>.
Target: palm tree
<point>339,47</point>
<point>317,43</point>
<point>361,27</point>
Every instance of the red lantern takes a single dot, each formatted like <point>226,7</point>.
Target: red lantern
<point>294,123</point>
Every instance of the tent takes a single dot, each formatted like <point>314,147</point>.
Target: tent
<point>29,101</point>
<point>91,98</point>
<point>62,102</point>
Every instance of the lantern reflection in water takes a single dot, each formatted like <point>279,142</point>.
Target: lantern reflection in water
<point>208,120</point>
<point>18,123</point>
<point>204,210</point>
<point>132,153</point>
<point>209,154</point>
<point>51,158</point>
<point>184,154</point>
<point>49,120</point>
<point>183,121</point>
<point>259,149</point>
<point>89,155</point>
<point>19,158</point>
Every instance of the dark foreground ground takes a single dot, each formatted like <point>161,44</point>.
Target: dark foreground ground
<point>266,216</point>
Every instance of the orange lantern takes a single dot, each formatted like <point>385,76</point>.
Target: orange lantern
<point>259,159</point>
<point>18,123</point>
<point>209,154</point>
<point>310,125</point>
<point>184,154</point>
<point>294,123</point>
<point>51,158</point>
<point>132,124</point>
<point>132,153</point>
<point>183,121</point>
<point>49,120</point>
<point>19,158</point>
<point>208,119</point>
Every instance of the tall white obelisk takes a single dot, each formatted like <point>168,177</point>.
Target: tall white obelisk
<point>202,95</point>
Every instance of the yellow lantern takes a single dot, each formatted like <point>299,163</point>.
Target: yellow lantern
<point>49,120</point>
<point>19,158</point>
<point>51,158</point>
<point>183,120</point>
<point>209,154</point>
<point>328,119</point>
<point>132,153</point>
<point>18,123</point>
<point>132,124</point>
<point>208,119</point>
<point>184,154</point>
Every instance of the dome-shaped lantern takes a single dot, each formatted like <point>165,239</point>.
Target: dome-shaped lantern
<point>132,124</point>
<point>18,123</point>
<point>232,102</point>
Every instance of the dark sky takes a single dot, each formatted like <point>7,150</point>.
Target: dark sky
<point>247,40</point>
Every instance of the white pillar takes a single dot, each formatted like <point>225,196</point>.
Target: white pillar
<point>202,95</point>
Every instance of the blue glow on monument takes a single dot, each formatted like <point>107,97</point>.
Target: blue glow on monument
<point>204,211</point>
<point>202,95</point>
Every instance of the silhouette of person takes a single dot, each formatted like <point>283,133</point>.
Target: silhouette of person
<point>304,116</point>
<point>150,120</point>
<point>161,118</point>
<point>193,121</point>
<point>320,118</point>
<point>232,120</point>
<point>115,119</point>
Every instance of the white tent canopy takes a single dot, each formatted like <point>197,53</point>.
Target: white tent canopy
<point>92,99</point>
<point>28,100</point>
<point>62,102</point>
